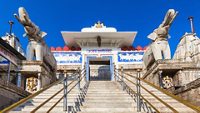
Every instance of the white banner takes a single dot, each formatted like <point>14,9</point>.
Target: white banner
<point>130,57</point>
<point>68,58</point>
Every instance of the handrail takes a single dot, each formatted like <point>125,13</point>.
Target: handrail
<point>157,111</point>
<point>175,97</point>
<point>167,105</point>
<point>29,97</point>
<point>38,107</point>
<point>67,93</point>
<point>188,104</point>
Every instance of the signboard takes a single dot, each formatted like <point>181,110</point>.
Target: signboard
<point>8,55</point>
<point>99,50</point>
<point>130,57</point>
<point>68,58</point>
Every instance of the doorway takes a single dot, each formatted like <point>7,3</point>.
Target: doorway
<point>99,69</point>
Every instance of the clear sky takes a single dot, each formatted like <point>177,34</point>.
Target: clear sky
<point>143,16</point>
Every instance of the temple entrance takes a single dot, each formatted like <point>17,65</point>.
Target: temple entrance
<point>100,69</point>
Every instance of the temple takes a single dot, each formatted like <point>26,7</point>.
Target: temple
<point>99,70</point>
<point>100,49</point>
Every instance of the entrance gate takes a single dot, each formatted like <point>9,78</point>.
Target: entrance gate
<point>103,72</point>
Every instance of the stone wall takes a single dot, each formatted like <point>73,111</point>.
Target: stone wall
<point>190,92</point>
<point>185,76</point>
<point>100,72</point>
<point>10,93</point>
<point>7,98</point>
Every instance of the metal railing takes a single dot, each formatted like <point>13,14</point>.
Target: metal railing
<point>81,75</point>
<point>138,94</point>
<point>22,101</point>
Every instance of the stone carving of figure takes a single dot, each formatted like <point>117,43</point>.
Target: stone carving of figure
<point>160,47</point>
<point>31,84</point>
<point>167,82</point>
<point>35,36</point>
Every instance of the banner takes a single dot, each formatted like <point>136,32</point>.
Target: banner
<point>68,58</point>
<point>130,57</point>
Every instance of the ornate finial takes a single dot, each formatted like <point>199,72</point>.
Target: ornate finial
<point>99,24</point>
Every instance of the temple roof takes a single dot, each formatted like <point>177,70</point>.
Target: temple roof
<point>98,35</point>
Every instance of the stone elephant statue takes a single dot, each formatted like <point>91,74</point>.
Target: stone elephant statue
<point>36,49</point>
<point>159,48</point>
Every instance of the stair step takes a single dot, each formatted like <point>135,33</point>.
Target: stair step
<point>101,97</point>
<point>109,105</point>
<point>108,110</point>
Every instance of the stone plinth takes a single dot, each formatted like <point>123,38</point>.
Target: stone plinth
<point>174,69</point>
<point>184,78</point>
<point>37,74</point>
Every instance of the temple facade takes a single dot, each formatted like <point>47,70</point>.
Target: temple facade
<point>100,49</point>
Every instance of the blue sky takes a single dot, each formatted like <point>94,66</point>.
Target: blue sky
<point>142,16</point>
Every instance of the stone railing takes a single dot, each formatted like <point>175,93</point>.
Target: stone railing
<point>192,85</point>
<point>12,87</point>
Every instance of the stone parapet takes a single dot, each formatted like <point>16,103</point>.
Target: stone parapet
<point>171,68</point>
<point>131,66</point>
<point>189,92</point>
<point>10,93</point>
<point>68,67</point>
<point>179,77</point>
<point>38,74</point>
<point>13,88</point>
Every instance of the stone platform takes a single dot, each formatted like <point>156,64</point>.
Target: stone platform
<point>38,74</point>
<point>180,78</point>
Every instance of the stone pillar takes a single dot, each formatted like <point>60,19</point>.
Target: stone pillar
<point>39,85</point>
<point>58,75</point>
<point>65,73</point>
<point>160,78</point>
<point>23,81</point>
<point>19,79</point>
<point>8,77</point>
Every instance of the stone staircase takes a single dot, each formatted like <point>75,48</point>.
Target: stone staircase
<point>107,97</point>
<point>181,108</point>
<point>73,98</point>
<point>100,97</point>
